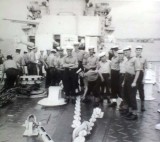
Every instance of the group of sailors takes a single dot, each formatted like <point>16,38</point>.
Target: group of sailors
<point>105,75</point>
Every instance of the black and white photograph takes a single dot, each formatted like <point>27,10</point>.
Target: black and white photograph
<point>79,71</point>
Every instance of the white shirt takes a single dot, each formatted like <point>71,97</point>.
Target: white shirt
<point>9,64</point>
<point>51,60</point>
<point>105,67</point>
<point>32,57</point>
<point>18,59</point>
<point>122,65</point>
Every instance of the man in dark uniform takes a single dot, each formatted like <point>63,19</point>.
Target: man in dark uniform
<point>11,71</point>
<point>130,82</point>
<point>115,90</point>
<point>70,77</point>
<point>143,64</point>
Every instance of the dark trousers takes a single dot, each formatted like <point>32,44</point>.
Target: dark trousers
<point>140,86</point>
<point>29,68</point>
<point>40,69</point>
<point>60,76</point>
<point>130,92</point>
<point>105,85</point>
<point>80,66</point>
<point>32,69</point>
<point>48,80</point>
<point>53,76</point>
<point>115,84</point>
<point>94,88</point>
<point>11,77</point>
<point>121,88</point>
<point>70,81</point>
<point>1,61</point>
<point>20,71</point>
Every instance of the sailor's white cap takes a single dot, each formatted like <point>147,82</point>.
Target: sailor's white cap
<point>29,47</point>
<point>91,47</point>
<point>18,49</point>
<point>69,47</point>
<point>34,47</point>
<point>25,51</point>
<point>120,51</point>
<point>139,47</point>
<point>76,43</point>
<point>129,47</point>
<point>102,54</point>
<point>59,48</point>
<point>53,50</point>
<point>115,47</point>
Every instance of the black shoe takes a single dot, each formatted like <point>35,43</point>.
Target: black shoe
<point>73,101</point>
<point>108,101</point>
<point>124,112</point>
<point>67,100</point>
<point>132,117</point>
<point>86,101</point>
<point>101,100</point>
<point>114,104</point>
<point>121,109</point>
<point>127,115</point>
<point>96,104</point>
<point>142,108</point>
<point>121,104</point>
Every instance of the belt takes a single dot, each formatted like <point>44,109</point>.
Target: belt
<point>69,69</point>
<point>129,74</point>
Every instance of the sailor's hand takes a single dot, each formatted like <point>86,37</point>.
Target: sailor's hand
<point>133,84</point>
<point>81,74</point>
<point>102,79</point>
<point>83,97</point>
<point>122,84</point>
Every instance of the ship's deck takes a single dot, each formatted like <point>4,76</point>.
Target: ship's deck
<point>57,122</point>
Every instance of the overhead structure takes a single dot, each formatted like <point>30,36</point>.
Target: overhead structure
<point>51,20</point>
